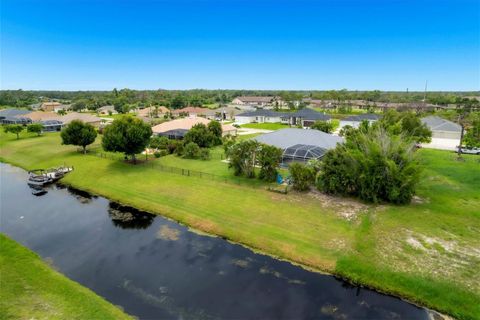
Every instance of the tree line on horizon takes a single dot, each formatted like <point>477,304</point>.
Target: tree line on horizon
<point>124,99</point>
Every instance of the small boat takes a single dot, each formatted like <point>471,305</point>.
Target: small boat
<point>40,177</point>
<point>39,192</point>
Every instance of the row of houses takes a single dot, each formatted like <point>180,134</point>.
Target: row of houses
<point>300,145</point>
<point>364,104</point>
<point>51,121</point>
<point>268,102</point>
<point>177,128</point>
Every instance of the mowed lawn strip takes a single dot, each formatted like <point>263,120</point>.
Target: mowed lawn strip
<point>31,289</point>
<point>375,247</point>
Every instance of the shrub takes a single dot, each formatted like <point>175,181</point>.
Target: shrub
<point>159,142</point>
<point>179,148</point>
<point>191,150</point>
<point>172,145</point>
<point>35,128</point>
<point>324,126</point>
<point>301,175</point>
<point>204,154</point>
<point>374,165</point>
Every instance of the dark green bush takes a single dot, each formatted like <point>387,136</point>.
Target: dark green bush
<point>302,176</point>
<point>191,150</point>
<point>204,154</point>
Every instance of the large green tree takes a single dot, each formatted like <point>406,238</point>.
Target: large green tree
<point>243,157</point>
<point>128,135</point>
<point>406,123</point>
<point>14,128</point>
<point>472,135</point>
<point>216,129</point>
<point>200,135</point>
<point>268,158</point>
<point>78,133</point>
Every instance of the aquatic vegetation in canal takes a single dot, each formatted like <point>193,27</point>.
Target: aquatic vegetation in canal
<point>167,233</point>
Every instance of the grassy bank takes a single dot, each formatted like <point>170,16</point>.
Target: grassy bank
<point>426,251</point>
<point>31,289</point>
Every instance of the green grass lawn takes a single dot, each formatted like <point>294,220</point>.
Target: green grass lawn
<point>265,126</point>
<point>31,289</point>
<point>426,251</point>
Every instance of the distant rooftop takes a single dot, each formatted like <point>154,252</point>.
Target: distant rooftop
<point>13,112</point>
<point>439,124</point>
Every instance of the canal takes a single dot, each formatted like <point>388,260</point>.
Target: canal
<point>158,269</point>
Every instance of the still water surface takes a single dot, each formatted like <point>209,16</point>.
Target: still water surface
<point>157,269</point>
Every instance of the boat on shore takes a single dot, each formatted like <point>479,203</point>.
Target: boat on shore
<point>41,177</point>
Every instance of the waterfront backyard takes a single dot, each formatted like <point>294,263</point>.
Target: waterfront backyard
<point>426,251</point>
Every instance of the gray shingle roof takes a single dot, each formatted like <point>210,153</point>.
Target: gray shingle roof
<point>13,112</point>
<point>438,124</point>
<point>289,137</point>
<point>310,114</point>
<point>262,113</point>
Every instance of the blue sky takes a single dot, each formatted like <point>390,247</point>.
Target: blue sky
<point>240,44</point>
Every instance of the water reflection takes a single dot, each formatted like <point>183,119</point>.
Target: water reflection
<point>157,269</point>
<point>129,218</point>
<point>81,196</point>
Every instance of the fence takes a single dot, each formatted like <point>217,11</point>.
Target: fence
<point>188,172</point>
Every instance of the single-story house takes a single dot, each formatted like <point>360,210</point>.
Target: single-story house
<point>304,117</point>
<point>190,112</point>
<point>223,113</point>
<point>442,128</point>
<point>107,110</point>
<point>153,112</point>
<point>85,117</point>
<point>53,106</point>
<point>300,145</point>
<point>259,116</point>
<point>445,134</point>
<point>354,121</point>
<point>176,129</point>
<point>37,116</point>
<point>258,101</point>
<point>14,116</point>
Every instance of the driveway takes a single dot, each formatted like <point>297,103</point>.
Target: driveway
<point>442,144</point>
<point>245,131</point>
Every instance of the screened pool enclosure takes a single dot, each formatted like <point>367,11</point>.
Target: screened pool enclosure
<point>302,153</point>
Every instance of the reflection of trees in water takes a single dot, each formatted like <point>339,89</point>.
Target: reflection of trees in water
<point>82,196</point>
<point>128,217</point>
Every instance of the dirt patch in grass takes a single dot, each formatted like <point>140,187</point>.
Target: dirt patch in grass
<point>345,208</point>
<point>433,256</point>
<point>167,233</point>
